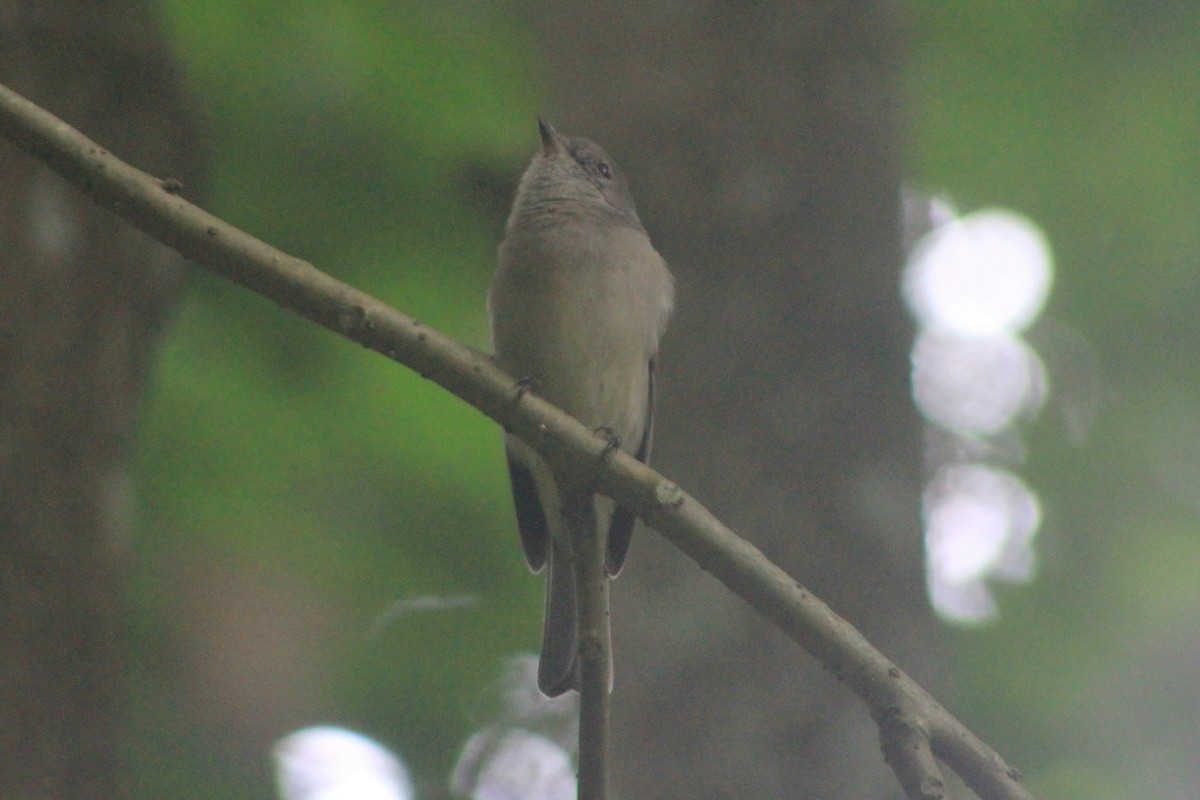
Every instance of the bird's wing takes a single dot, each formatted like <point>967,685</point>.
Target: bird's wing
<point>531,517</point>
<point>620,529</point>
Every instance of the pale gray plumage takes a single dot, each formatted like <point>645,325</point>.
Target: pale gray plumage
<point>577,305</point>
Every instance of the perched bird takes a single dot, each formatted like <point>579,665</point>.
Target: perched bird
<point>577,306</point>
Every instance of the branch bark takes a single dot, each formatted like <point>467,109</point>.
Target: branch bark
<point>594,645</point>
<point>912,723</point>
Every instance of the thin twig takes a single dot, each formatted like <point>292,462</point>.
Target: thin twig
<point>591,590</point>
<point>156,208</point>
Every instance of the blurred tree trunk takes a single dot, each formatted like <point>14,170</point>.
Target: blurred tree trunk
<point>82,298</point>
<point>762,143</point>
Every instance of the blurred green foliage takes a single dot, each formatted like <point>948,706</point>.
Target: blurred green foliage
<point>293,487</point>
<point>1086,117</point>
<point>314,481</point>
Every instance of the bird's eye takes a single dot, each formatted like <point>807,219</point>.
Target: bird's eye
<point>604,169</point>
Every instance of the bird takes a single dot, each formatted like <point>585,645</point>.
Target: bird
<point>577,306</point>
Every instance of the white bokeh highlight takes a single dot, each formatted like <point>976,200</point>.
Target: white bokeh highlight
<point>525,753</point>
<point>514,765</point>
<point>330,763</point>
<point>974,284</point>
<point>976,385</point>
<point>979,522</point>
<point>979,275</point>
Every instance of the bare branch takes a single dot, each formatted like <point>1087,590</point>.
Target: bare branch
<point>906,750</point>
<point>595,661</point>
<point>912,723</point>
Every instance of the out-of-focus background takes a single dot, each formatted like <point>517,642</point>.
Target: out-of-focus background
<point>301,532</point>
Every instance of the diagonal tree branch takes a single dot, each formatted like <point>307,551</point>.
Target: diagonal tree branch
<point>913,726</point>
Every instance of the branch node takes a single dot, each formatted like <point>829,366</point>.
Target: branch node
<point>351,319</point>
<point>668,494</point>
<point>590,648</point>
<point>906,749</point>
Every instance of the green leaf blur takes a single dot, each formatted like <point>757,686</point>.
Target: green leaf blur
<point>1084,116</point>
<point>296,487</point>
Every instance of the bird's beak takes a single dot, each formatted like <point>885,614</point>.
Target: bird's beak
<point>550,141</point>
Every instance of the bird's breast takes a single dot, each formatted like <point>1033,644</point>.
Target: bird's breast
<point>579,308</point>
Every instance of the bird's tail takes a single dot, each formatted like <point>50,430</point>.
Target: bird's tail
<point>558,668</point>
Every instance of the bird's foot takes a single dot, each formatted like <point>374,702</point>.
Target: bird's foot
<point>524,385</point>
<point>612,443</point>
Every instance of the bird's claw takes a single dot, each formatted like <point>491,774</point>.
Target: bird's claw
<point>612,443</point>
<point>524,386</point>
